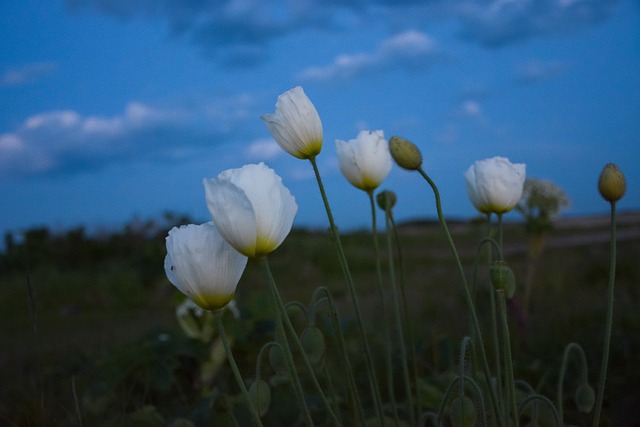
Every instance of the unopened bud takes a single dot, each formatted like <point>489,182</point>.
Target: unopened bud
<point>386,200</point>
<point>585,398</point>
<point>277,361</point>
<point>405,153</point>
<point>260,396</point>
<point>463,412</point>
<point>611,183</point>
<point>502,277</point>
<point>313,343</point>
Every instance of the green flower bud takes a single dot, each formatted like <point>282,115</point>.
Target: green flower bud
<point>386,199</point>
<point>313,343</point>
<point>611,183</point>
<point>502,277</point>
<point>277,361</point>
<point>463,412</point>
<point>585,398</point>
<point>260,396</point>
<point>405,153</point>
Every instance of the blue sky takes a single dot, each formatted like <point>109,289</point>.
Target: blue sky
<point>115,109</point>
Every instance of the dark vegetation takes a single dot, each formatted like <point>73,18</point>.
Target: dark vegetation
<point>89,336</point>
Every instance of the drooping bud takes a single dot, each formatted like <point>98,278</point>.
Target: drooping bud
<point>502,277</point>
<point>463,412</point>
<point>313,343</point>
<point>611,183</point>
<point>405,153</point>
<point>386,200</point>
<point>585,398</point>
<point>260,395</point>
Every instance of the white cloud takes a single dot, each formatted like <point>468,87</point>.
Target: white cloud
<point>27,74</point>
<point>409,48</point>
<point>535,71</point>
<point>239,31</point>
<point>66,140</point>
<point>264,149</point>
<point>471,108</point>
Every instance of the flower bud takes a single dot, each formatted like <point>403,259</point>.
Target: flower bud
<point>463,412</point>
<point>405,153</point>
<point>386,200</point>
<point>611,183</point>
<point>313,343</point>
<point>585,397</point>
<point>260,396</point>
<point>502,277</point>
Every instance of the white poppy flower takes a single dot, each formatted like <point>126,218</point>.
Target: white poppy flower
<point>495,185</point>
<point>202,265</point>
<point>296,126</point>
<point>365,161</point>
<point>251,207</point>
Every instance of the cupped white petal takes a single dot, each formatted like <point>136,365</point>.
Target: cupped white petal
<point>232,212</point>
<point>202,265</point>
<point>365,161</point>
<point>296,125</point>
<point>252,208</point>
<point>495,185</point>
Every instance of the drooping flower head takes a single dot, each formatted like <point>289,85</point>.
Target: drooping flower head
<point>495,185</point>
<point>202,265</point>
<point>251,207</point>
<point>365,161</point>
<point>296,125</point>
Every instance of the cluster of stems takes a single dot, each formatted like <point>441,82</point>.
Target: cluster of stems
<point>484,389</point>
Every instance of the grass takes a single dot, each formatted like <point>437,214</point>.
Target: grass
<point>102,319</point>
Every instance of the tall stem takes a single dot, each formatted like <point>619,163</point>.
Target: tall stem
<point>335,320</point>
<point>407,317</point>
<point>373,382</point>
<point>510,387</point>
<point>385,315</point>
<point>563,369</point>
<point>398,322</point>
<point>607,331</point>
<point>467,295</point>
<point>236,371</point>
<point>294,335</point>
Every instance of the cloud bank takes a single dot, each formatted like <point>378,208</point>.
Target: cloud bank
<point>243,28</point>
<point>27,74</point>
<point>410,48</point>
<point>66,141</point>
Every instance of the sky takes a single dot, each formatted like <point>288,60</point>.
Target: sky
<point>112,110</point>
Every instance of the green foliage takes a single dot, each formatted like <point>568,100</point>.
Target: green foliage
<point>104,315</point>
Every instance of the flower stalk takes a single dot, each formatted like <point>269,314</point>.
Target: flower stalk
<point>467,295</point>
<point>373,382</point>
<point>236,372</point>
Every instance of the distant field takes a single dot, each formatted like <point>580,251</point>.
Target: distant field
<point>96,314</point>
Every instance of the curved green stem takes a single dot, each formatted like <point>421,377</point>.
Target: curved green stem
<point>285,318</point>
<point>533,397</point>
<point>563,369</point>
<point>236,371</point>
<point>510,385</point>
<point>467,294</point>
<point>398,322</point>
<point>373,382</point>
<point>335,320</point>
<point>385,315</point>
<point>609,325</point>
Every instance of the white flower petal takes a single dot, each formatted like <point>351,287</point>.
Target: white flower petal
<point>202,265</point>
<point>365,161</point>
<point>495,185</point>
<point>232,212</point>
<point>253,209</point>
<point>296,125</point>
